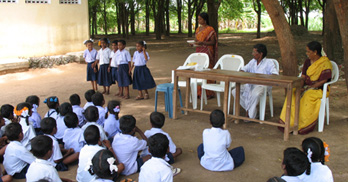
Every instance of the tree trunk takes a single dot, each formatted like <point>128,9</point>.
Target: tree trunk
<point>118,17</point>
<point>341,7</point>
<point>307,6</point>
<point>179,8</point>
<point>300,3</point>
<point>213,7</point>
<point>284,36</point>
<point>189,17</point>
<point>258,12</point>
<point>323,9</point>
<point>167,19</point>
<point>147,17</point>
<point>199,7</point>
<point>132,17</point>
<point>105,20</point>
<point>158,5</point>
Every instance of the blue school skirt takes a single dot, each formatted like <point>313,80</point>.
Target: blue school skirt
<point>104,77</point>
<point>91,76</point>
<point>114,74</point>
<point>123,78</point>
<point>142,78</point>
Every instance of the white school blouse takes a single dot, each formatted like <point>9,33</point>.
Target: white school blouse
<point>101,130</point>
<point>28,133</point>
<point>216,141</point>
<point>102,180</point>
<point>16,157</point>
<point>87,105</point>
<point>35,117</point>
<point>113,62</point>
<point>123,57</point>
<point>291,179</point>
<point>139,58</point>
<point>79,112</point>
<point>126,148</point>
<point>90,56</point>
<point>42,169</point>
<point>86,154</point>
<point>319,173</point>
<point>104,56</point>
<point>61,127</point>
<point>112,126</point>
<point>57,154</point>
<point>156,170</point>
<point>7,121</point>
<point>266,66</point>
<point>102,113</point>
<point>52,113</point>
<point>73,138</point>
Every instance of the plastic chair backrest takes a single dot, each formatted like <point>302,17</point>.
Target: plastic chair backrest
<point>276,64</point>
<point>335,72</point>
<point>201,59</point>
<point>230,62</point>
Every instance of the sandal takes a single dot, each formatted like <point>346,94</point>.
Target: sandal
<point>176,171</point>
<point>139,98</point>
<point>146,96</point>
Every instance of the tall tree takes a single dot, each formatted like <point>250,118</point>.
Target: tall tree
<point>118,17</point>
<point>178,10</point>
<point>132,16</point>
<point>213,7</point>
<point>157,8</point>
<point>147,17</point>
<point>284,36</point>
<point>93,10</point>
<point>332,39</point>
<point>307,7</point>
<point>167,18</point>
<point>199,6</point>
<point>190,11</point>
<point>322,4</point>
<point>105,18</point>
<point>258,10</point>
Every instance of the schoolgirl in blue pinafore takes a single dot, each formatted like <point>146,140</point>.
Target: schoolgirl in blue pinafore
<point>113,64</point>
<point>142,78</point>
<point>124,72</point>
<point>103,58</point>
<point>90,55</point>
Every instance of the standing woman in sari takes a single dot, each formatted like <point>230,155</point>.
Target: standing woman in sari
<point>316,71</point>
<point>207,43</point>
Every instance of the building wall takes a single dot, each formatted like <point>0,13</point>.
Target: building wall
<point>28,30</point>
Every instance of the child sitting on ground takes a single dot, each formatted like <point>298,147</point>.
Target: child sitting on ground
<point>41,168</point>
<point>91,114</point>
<point>75,101</point>
<point>7,114</point>
<point>316,154</point>
<point>156,168</point>
<point>105,166</point>
<point>88,97</point>
<point>35,117</point>
<point>213,152</point>
<point>73,135</point>
<point>98,101</point>
<point>112,123</point>
<point>17,158</point>
<point>157,121</point>
<point>64,109</point>
<point>294,164</point>
<point>127,146</point>
<point>49,128</point>
<point>52,104</point>
<point>23,112</point>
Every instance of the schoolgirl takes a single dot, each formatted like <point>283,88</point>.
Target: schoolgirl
<point>113,64</point>
<point>90,55</point>
<point>124,69</point>
<point>103,59</point>
<point>53,104</point>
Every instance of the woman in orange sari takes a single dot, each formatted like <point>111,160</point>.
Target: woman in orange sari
<point>207,43</point>
<point>317,70</point>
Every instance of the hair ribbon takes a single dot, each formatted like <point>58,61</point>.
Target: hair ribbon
<point>117,109</point>
<point>112,166</point>
<point>309,155</point>
<point>24,112</point>
<point>327,152</point>
<point>55,99</point>
<point>144,42</point>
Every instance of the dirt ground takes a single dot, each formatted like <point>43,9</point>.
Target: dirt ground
<point>263,144</point>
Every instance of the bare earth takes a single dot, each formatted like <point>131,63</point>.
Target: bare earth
<point>263,144</point>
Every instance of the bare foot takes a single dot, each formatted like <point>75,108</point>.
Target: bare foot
<point>107,93</point>
<point>126,97</point>
<point>118,94</point>
<point>103,92</point>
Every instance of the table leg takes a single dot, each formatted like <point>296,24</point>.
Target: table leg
<point>288,113</point>
<point>188,89</point>
<point>227,86</point>
<point>297,110</point>
<point>237,103</point>
<point>175,93</point>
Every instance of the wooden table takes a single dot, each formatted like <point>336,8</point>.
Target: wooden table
<point>288,82</point>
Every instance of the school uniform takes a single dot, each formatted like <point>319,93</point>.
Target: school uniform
<point>28,133</point>
<point>156,170</point>
<point>56,153</point>
<point>35,117</point>
<point>112,126</point>
<point>3,128</point>
<point>319,173</point>
<point>90,57</point>
<point>61,127</point>
<point>291,179</point>
<point>17,158</point>
<point>113,65</point>
<point>52,113</point>
<point>73,138</point>
<point>79,112</point>
<point>87,105</point>
<point>42,169</point>
<point>86,154</point>
<point>123,58</point>
<point>126,148</point>
<point>102,112</point>
<point>142,78</point>
<point>104,77</point>
<point>102,180</point>
<point>101,130</point>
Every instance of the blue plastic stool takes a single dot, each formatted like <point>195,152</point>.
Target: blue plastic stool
<point>167,88</point>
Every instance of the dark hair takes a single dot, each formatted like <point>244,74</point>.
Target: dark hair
<point>88,95</point>
<point>52,102</point>
<point>91,114</point>
<point>296,162</point>
<point>33,99</point>
<point>217,118</point>
<point>158,145</point>
<point>22,105</point>
<point>13,130</point>
<point>317,147</point>
<point>71,120</point>
<point>91,135</point>
<point>106,40</point>
<point>7,110</point>
<point>112,105</point>
<point>157,119</point>
<point>65,108</point>
<point>88,41</point>
<point>315,46</point>
<point>47,125</point>
<point>275,179</point>
<point>98,99</point>
<point>101,166</point>
<point>75,99</point>
<point>122,42</point>
<point>205,17</point>
<point>142,43</point>
<point>40,145</point>
<point>114,42</point>
<point>127,124</point>
<point>261,48</point>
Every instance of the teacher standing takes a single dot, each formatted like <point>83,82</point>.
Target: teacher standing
<point>207,43</point>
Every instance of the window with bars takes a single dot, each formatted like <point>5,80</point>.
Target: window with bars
<point>69,1</point>
<point>38,1</point>
<point>8,1</point>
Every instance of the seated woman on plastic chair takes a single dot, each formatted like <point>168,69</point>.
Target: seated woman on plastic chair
<point>316,71</point>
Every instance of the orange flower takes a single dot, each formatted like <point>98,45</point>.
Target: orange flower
<point>327,151</point>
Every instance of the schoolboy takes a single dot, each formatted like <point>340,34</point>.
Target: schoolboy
<point>157,120</point>
<point>73,136</point>
<point>91,114</point>
<point>88,97</point>
<point>75,101</point>
<point>17,158</point>
<point>98,101</point>
<point>127,146</point>
<point>295,163</point>
<point>213,152</point>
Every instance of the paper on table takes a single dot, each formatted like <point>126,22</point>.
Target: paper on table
<point>185,67</point>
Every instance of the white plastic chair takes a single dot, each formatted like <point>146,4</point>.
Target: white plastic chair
<point>202,60</point>
<point>325,100</point>
<point>263,98</point>
<point>226,62</point>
